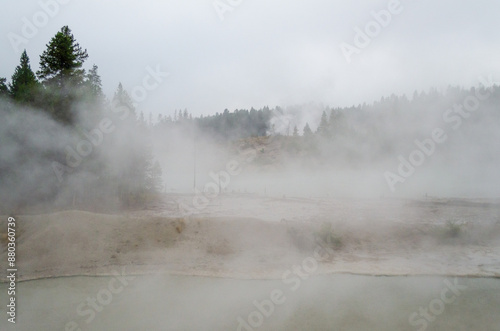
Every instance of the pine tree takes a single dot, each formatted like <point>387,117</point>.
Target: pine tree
<point>3,87</point>
<point>323,125</point>
<point>337,124</point>
<point>62,75</point>
<point>94,86</point>
<point>134,149</point>
<point>61,63</point>
<point>307,130</point>
<point>295,131</point>
<point>122,99</point>
<point>24,85</point>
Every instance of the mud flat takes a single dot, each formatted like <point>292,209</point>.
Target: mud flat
<point>245,237</point>
<point>309,264</point>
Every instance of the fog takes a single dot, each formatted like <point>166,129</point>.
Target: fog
<point>192,304</point>
<point>361,155</point>
<point>363,144</point>
<point>53,165</point>
<point>252,210</point>
<point>250,166</point>
<point>374,186</point>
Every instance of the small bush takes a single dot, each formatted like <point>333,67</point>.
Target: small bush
<point>452,232</point>
<point>453,229</point>
<point>326,236</point>
<point>180,225</point>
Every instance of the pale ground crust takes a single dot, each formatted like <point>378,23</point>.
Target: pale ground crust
<point>249,237</point>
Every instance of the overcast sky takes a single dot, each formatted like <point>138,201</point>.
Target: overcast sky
<point>265,52</point>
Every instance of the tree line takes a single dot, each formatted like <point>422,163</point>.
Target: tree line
<point>59,155</point>
<point>73,164</point>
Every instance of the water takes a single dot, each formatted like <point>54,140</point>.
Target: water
<point>338,302</point>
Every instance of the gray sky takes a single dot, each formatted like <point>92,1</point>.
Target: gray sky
<point>265,52</point>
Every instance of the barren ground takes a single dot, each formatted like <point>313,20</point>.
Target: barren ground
<point>246,237</point>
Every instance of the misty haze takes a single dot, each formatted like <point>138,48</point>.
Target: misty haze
<point>250,165</point>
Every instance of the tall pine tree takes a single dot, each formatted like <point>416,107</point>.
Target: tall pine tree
<point>307,132</point>
<point>61,63</point>
<point>62,75</point>
<point>24,85</point>
<point>94,86</point>
<point>323,125</point>
<point>121,98</point>
<point>3,87</point>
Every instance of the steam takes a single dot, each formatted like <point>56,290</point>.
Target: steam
<point>45,161</point>
<point>404,185</point>
<point>46,165</point>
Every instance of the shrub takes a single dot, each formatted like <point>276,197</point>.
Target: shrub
<point>327,237</point>
<point>453,229</point>
<point>180,225</point>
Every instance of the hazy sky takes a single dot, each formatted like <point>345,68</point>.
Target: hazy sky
<point>264,52</point>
